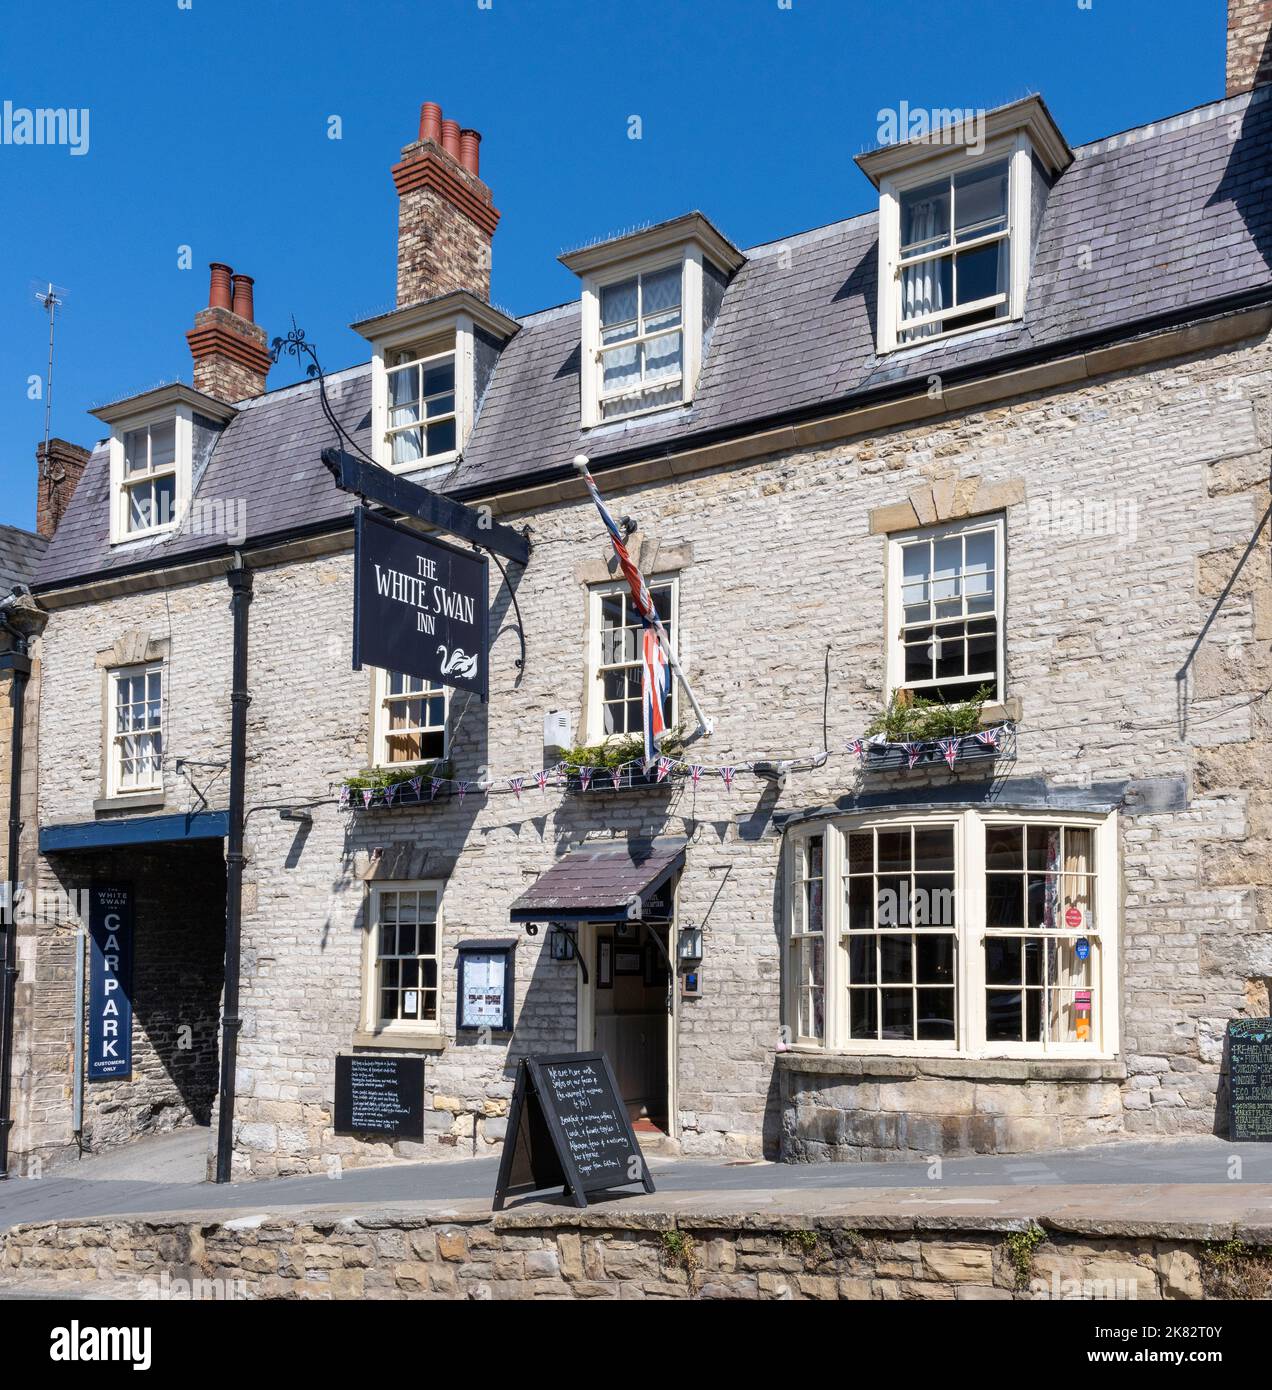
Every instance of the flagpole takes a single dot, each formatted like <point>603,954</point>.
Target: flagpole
<point>704,724</point>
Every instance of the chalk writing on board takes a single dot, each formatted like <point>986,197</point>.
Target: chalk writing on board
<point>1250,1078</point>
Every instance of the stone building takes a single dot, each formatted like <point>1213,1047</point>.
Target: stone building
<point>1004,439</point>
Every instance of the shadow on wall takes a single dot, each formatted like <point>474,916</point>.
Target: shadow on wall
<point>178,974</point>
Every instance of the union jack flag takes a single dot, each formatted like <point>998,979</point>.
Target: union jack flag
<point>435,788</point>
<point>416,784</point>
<point>585,777</point>
<point>950,746</point>
<point>344,797</point>
<point>727,774</point>
<point>616,776</point>
<point>695,772</point>
<point>516,783</point>
<point>655,676</point>
<point>541,777</point>
<point>989,737</point>
<point>664,767</point>
<point>388,793</point>
<point>857,746</point>
<point>367,794</point>
<point>912,751</point>
<point>463,791</point>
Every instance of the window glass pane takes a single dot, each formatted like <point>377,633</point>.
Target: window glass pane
<point>860,851</point>
<point>934,847</point>
<point>163,445</point>
<point>936,1014</point>
<point>934,901</point>
<point>618,304</point>
<point>135,455</point>
<point>660,291</point>
<point>980,273</point>
<point>165,503</point>
<point>863,1013</point>
<point>862,960</point>
<point>1003,960</point>
<point>439,378</point>
<point>1004,847</point>
<point>898,1013</point>
<point>408,447</point>
<point>896,959</point>
<point>1002,1015</point>
<point>1004,900</point>
<point>925,218</point>
<point>980,201</point>
<point>441,438</point>
<point>404,391</point>
<point>894,849</point>
<point>861,904</point>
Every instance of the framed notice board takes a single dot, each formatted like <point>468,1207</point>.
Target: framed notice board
<point>483,999</point>
<point>568,1128</point>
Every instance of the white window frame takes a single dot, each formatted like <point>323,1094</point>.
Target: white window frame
<point>1016,149</point>
<point>182,417</point>
<point>457,340</point>
<point>595,714</point>
<point>424,422</point>
<point>381,697</point>
<point>590,374</point>
<point>114,739</point>
<point>372,1023</point>
<point>894,608</point>
<point>970,1041</point>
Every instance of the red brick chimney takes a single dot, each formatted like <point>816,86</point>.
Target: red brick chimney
<point>59,469</point>
<point>445,218</point>
<point>1249,44</point>
<point>228,346</point>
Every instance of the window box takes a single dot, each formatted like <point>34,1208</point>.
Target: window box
<point>632,776</point>
<point>971,748</point>
<point>391,788</point>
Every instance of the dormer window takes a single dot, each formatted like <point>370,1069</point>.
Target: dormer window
<point>642,342</point>
<point>954,259</point>
<point>650,302</point>
<point>421,408</point>
<point>159,443</point>
<point>148,489</point>
<point>958,216</point>
<point>430,366</point>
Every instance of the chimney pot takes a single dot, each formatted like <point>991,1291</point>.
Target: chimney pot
<point>431,122</point>
<point>219,290</point>
<point>470,150</point>
<point>243,306</point>
<point>450,139</point>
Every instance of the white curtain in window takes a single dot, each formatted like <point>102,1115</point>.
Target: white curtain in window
<point>921,284</point>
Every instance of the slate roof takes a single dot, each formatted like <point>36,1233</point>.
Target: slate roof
<point>20,555</point>
<point>603,879</point>
<point>1162,223</point>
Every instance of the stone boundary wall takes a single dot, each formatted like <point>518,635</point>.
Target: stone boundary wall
<point>668,1248</point>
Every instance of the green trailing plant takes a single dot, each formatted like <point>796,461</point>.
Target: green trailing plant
<point>605,757</point>
<point>377,778</point>
<point>1020,1247</point>
<point>911,718</point>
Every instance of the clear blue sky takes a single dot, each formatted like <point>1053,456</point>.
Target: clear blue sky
<point>208,128</point>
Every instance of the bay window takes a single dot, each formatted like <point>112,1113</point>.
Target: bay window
<point>965,933</point>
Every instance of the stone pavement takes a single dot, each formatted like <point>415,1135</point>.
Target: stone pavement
<point>163,1175</point>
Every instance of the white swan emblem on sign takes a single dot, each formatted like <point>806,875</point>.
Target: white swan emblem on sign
<point>458,662</point>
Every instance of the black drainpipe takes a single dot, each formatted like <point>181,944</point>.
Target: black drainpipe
<point>240,580</point>
<point>19,663</point>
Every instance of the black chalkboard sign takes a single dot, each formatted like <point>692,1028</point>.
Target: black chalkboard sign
<point>568,1128</point>
<point>1250,1078</point>
<point>380,1095</point>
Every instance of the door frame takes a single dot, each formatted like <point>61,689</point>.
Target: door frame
<point>585,1007</point>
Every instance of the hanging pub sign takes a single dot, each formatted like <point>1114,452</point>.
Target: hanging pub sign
<point>485,985</point>
<point>568,1127</point>
<point>110,931</point>
<point>420,606</point>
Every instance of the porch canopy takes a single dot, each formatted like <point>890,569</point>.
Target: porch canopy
<point>85,836</point>
<point>606,881</point>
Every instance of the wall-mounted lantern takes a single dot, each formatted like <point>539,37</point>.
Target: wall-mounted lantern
<point>689,945</point>
<point>563,941</point>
